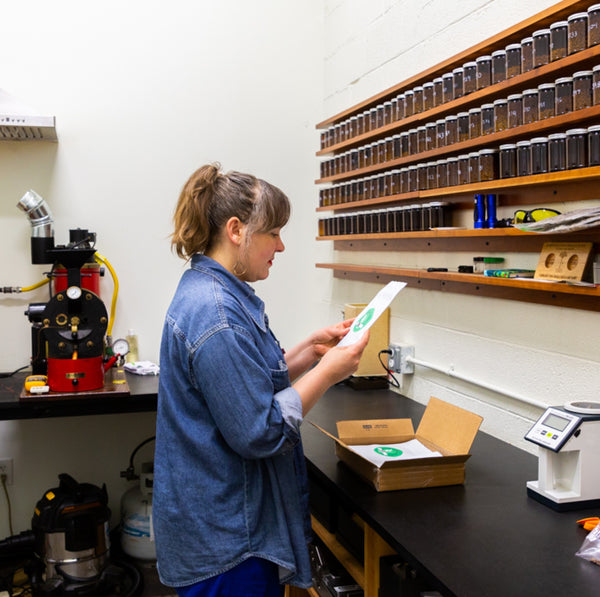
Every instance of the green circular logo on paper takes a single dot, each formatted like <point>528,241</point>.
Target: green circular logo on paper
<point>387,451</point>
<point>364,320</point>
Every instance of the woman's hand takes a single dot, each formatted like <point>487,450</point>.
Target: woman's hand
<point>326,338</point>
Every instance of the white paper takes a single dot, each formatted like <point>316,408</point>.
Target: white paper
<point>380,453</point>
<point>369,315</point>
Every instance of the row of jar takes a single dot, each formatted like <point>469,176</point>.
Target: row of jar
<point>575,148</point>
<point>408,218</point>
<point>579,31</point>
<point>566,94</point>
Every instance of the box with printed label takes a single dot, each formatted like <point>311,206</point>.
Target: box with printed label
<point>445,429</point>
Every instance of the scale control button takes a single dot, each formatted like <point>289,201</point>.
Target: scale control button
<point>554,436</point>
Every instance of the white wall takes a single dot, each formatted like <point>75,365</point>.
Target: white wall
<point>543,353</point>
<point>144,92</point>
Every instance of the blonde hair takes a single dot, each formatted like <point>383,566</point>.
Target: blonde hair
<point>209,199</point>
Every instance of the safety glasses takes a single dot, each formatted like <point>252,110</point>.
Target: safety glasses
<point>533,215</point>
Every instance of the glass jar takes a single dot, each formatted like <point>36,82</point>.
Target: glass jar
<point>469,77</point>
<point>422,176</point>
<point>409,103</point>
<point>463,169</point>
<point>564,95</point>
<point>593,32</point>
<point>418,99</point>
<point>452,171</point>
<point>541,47</point>
<point>474,123</point>
<point>487,119</point>
<point>474,167</point>
<point>447,87</point>
<point>530,106</point>
<point>463,126</point>
<point>413,181</point>
<point>500,115</point>
<point>430,136</point>
<point>404,180</point>
<point>438,92</point>
<point>431,175</point>
<point>458,76</point>
<point>523,158</point>
<point>488,164</point>
<point>499,66</point>
<point>582,89</point>
<point>394,182</point>
<point>451,129</point>
<point>394,103</point>
<point>577,32</point>
<point>558,40</point>
<point>515,110</point>
<point>546,100</point>
<point>594,143</point>
<point>526,54</point>
<point>539,155</point>
<point>577,148</point>
<point>557,152</point>
<point>397,145</point>
<point>404,144</point>
<point>380,115</point>
<point>387,113</point>
<point>484,71</point>
<point>441,174</point>
<point>596,85</point>
<point>413,141</point>
<point>440,132</point>
<point>427,96</point>
<point>508,161</point>
<point>400,104</point>
<point>437,211</point>
<point>421,139</point>
<point>389,149</point>
<point>513,60</point>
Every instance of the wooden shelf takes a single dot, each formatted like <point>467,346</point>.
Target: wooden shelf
<point>528,290</point>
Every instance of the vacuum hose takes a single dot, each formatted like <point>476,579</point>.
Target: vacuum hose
<point>42,229</point>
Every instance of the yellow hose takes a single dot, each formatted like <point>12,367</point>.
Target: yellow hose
<point>34,286</point>
<point>113,306</point>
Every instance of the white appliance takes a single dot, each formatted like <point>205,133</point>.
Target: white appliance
<point>20,122</point>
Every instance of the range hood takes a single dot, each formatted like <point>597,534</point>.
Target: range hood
<point>19,122</point>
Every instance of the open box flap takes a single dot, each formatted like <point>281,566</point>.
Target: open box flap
<point>448,426</point>
<point>374,431</point>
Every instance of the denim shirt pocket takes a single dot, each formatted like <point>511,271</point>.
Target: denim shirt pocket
<point>280,376</point>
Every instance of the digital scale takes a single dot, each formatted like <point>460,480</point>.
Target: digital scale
<point>569,447</point>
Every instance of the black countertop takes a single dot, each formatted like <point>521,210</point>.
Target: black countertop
<point>485,538</point>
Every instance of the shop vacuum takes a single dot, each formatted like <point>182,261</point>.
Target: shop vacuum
<point>67,551</point>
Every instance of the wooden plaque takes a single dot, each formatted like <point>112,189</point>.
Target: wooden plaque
<point>563,261</point>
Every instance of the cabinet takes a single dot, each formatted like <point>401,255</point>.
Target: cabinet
<point>348,174</point>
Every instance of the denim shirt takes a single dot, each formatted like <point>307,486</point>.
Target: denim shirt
<point>229,472</point>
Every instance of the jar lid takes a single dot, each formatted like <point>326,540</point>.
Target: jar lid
<point>440,121</point>
<point>421,128</point>
<point>558,24</point>
<point>508,146</point>
<point>500,101</point>
<point>487,151</point>
<point>418,88</point>
<point>438,79</point>
<point>595,127</point>
<point>463,156</point>
<point>404,134</point>
<point>563,80</point>
<point>440,162</point>
<point>540,140</point>
<point>478,259</point>
<point>510,47</point>
<point>463,114</point>
<point>412,167</point>
<point>546,86</point>
<point>410,91</point>
<point>576,16</point>
<point>493,259</point>
<point>583,73</point>
<point>527,40</point>
<point>474,110</point>
<point>523,143</point>
<point>458,69</point>
<point>474,154</point>
<point>594,7</point>
<point>400,96</point>
<point>447,75</point>
<point>482,59</point>
<point>487,106</point>
<point>455,159</point>
<point>470,64</point>
<point>388,103</point>
<point>452,117</point>
<point>541,32</point>
<point>530,91</point>
<point>596,68</point>
<point>515,96</point>
<point>499,53</point>
<point>428,84</point>
<point>557,136</point>
<point>576,131</point>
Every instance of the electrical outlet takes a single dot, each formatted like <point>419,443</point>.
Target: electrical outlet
<point>6,468</point>
<point>397,360</point>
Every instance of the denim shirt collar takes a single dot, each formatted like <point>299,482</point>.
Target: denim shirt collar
<point>253,305</point>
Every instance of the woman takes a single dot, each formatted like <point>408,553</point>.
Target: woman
<point>230,494</point>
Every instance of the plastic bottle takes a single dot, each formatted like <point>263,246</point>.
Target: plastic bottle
<point>132,339</point>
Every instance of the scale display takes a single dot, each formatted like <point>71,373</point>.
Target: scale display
<point>553,428</point>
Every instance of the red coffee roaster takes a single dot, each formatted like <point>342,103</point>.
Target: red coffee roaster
<point>67,334</point>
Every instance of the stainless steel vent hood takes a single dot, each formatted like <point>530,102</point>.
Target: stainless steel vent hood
<point>19,122</point>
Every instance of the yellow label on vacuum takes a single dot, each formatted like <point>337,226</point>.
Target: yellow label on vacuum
<point>50,496</point>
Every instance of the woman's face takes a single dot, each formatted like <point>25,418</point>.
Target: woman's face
<point>260,253</point>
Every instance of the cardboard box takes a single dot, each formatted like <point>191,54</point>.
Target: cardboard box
<point>379,339</point>
<point>443,427</point>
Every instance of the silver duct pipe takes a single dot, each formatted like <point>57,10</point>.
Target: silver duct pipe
<point>39,215</point>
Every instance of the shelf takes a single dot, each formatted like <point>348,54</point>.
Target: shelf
<point>499,41</point>
<point>533,291</point>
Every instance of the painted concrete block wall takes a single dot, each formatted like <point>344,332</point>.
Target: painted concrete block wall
<point>541,353</point>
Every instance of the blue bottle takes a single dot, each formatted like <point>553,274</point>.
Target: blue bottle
<point>479,211</point>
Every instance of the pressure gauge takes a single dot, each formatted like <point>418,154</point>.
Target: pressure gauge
<point>73,292</point>
<point>120,347</point>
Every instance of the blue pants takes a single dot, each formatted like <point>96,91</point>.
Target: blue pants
<point>254,577</point>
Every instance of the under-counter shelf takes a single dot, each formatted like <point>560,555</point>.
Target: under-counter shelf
<point>527,290</point>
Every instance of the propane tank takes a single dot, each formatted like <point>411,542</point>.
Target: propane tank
<point>137,534</point>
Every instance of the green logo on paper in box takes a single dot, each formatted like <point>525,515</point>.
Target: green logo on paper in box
<point>364,320</point>
<point>389,452</point>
